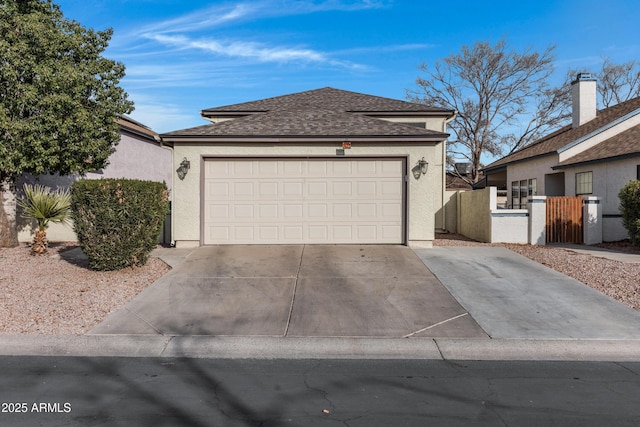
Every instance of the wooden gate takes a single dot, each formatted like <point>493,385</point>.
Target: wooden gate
<point>564,220</point>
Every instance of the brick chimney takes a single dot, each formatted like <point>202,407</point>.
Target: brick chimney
<point>583,94</point>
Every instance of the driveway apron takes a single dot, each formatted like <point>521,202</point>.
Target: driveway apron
<point>298,291</point>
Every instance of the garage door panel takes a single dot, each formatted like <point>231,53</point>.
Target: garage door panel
<point>292,189</point>
<point>268,211</point>
<point>242,190</point>
<point>303,201</point>
<point>293,168</point>
<point>341,189</point>
<point>342,233</point>
<point>217,212</point>
<point>318,210</point>
<point>341,169</point>
<point>268,168</point>
<point>367,210</point>
<point>389,232</point>
<point>342,211</point>
<point>367,231</point>
<point>293,211</point>
<point>366,188</point>
<point>390,210</point>
<point>293,233</point>
<point>266,233</point>
<point>317,169</point>
<point>390,188</point>
<point>317,189</point>
<point>390,169</point>
<point>268,189</point>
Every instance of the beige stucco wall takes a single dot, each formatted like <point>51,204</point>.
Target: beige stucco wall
<point>135,158</point>
<point>474,214</point>
<point>450,211</point>
<point>608,179</point>
<point>480,219</point>
<point>535,168</point>
<point>424,199</point>
<point>432,123</point>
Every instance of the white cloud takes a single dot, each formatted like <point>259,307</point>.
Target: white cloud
<point>242,49</point>
<point>196,31</point>
<point>218,15</point>
<point>252,50</point>
<point>202,19</point>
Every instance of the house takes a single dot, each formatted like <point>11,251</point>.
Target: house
<point>595,155</point>
<point>138,155</point>
<point>320,166</point>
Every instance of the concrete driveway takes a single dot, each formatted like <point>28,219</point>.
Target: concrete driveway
<point>512,297</point>
<point>296,291</point>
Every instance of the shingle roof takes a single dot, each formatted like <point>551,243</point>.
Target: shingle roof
<point>127,123</point>
<point>317,113</point>
<point>555,141</point>
<point>306,122</point>
<point>626,143</point>
<point>329,98</point>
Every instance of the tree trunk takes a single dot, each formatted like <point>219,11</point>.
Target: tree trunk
<point>39,244</point>
<point>8,225</point>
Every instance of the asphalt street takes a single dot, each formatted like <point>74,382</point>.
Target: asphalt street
<point>115,391</point>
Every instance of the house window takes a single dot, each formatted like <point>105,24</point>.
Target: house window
<point>520,192</point>
<point>533,187</point>
<point>638,172</point>
<point>584,183</point>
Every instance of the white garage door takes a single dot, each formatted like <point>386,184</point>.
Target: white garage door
<point>293,201</point>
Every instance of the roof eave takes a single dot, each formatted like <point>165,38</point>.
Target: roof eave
<point>151,136</point>
<point>229,113</point>
<point>410,113</point>
<point>595,161</point>
<point>302,139</point>
<point>503,165</point>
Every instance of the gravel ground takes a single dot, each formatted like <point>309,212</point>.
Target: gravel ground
<point>618,280</point>
<point>48,295</point>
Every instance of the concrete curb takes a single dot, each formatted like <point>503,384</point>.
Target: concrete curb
<point>219,347</point>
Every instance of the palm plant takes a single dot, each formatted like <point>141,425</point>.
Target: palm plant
<point>44,205</point>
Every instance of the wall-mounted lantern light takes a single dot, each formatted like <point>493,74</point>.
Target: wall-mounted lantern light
<point>185,165</point>
<point>424,165</point>
<point>420,168</point>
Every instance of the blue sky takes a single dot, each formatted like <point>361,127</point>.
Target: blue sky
<point>184,56</point>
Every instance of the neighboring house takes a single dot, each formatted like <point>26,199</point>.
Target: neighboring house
<point>457,183</point>
<point>596,155</point>
<point>320,166</point>
<point>138,155</point>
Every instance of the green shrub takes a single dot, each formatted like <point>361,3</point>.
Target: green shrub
<point>118,221</point>
<point>630,210</point>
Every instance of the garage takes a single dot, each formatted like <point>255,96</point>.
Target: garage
<point>304,200</point>
<point>324,166</point>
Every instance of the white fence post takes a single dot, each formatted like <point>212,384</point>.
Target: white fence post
<point>591,220</point>
<point>537,207</point>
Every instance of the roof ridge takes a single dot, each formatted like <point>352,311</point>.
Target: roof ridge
<point>329,97</point>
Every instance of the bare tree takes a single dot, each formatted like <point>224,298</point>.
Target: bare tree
<point>618,82</point>
<point>502,98</point>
